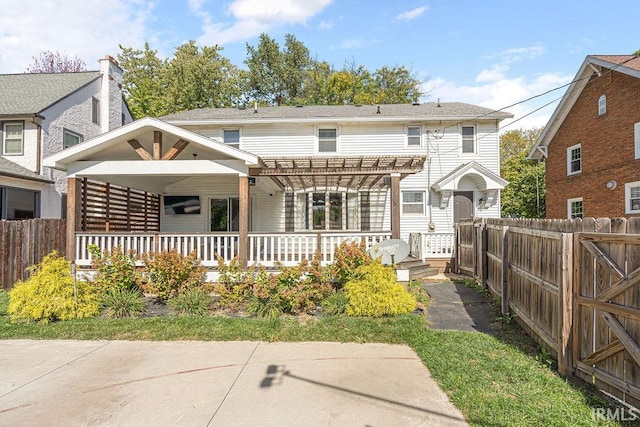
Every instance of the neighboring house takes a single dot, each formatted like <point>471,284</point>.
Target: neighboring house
<point>591,144</point>
<point>273,184</point>
<point>41,114</point>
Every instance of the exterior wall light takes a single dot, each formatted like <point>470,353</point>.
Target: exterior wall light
<point>612,184</point>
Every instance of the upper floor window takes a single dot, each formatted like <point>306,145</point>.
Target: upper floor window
<point>327,140</point>
<point>636,139</point>
<point>632,197</point>
<point>13,139</point>
<point>70,138</point>
<point>574,159</point>
<point>231,137</point>
<point>468,139</point>
<point>414,136</point>
<point>413,202</point>
<point>602,105</point>
<point>95,110</point>
<point>575,208</point>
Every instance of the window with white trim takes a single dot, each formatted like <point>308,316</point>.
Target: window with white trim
<point>13,138</point>
<point>574,159</point>
<point>95,110</point>
<point>413,202</point>
<point>575,208</point>
<point>231,137</point>
<point>328,140</point>
<point>602,105</point>
<point>468,139</point>
<point>414,136</point>
<point>632,197</point>
<point>636,139</point>
<point>70,138</point>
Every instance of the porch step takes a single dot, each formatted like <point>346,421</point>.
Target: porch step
<point>417,268</point>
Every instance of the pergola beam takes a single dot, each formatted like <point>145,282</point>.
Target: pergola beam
<point>174,151</point>
<point>144,154</point>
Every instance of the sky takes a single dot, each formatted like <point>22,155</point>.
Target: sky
<point>490,53</point>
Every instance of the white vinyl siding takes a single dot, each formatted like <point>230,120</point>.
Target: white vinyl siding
<point>574,159</point>
<point>13,138</point>
<point>575,208</point>
<point>632,197</point>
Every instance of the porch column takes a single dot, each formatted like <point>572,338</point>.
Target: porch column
<point>395,205</point>
<point>74,217</point>
<point>243,220</point>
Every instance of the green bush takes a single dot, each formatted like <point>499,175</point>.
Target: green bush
<point>374,291</point>
<point>348,257</point>
<point>169,273</point>
<point>4,302</point>
<point>265,308</point>
<point>121,302</point>
<point>192,302</point>
<point>335,304</point>
<point>235,283</point>
<point>48,294</point>
<point>115,269</point>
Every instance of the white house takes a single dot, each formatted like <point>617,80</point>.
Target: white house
<point>274,184</point>
<point>40,114</point>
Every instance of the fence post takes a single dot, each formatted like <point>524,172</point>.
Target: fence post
<point>505,270</point>
<point>565,307</point>
<point>485,257</point>
<point>474,248</point>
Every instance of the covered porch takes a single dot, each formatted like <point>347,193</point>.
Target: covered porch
<point>120,183</point>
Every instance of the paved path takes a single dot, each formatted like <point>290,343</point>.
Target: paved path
<point>455,306</point>
<point>145,383</point>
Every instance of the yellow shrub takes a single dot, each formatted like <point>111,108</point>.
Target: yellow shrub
<point>48,294</point>
<point>374,291</point>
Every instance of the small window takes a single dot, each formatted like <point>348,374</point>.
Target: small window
<point>632,197</point>
<point>232,137</point>
<point>468,139</point>
<point>414,136</point>
<point>327,140</point>
<point>575,208</point>
<point>602,105</point>
<point>413,202</point>
<point>636,139</point>
<point>95,110</point>
<point>70,138</point>
<point>574,159</point>
<point>13,138</point>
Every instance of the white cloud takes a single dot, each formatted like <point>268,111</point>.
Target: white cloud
<point>512,55</point>
<point>352,44</point>
<point>411,14</point>
<point>252,17</point>
<point>325,25</point>
<point>95,29</point>
<point>494,74</point>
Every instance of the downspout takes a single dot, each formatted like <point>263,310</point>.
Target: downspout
<point>35,121</point>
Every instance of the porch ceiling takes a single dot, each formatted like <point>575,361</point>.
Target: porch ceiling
<point>299,173</point>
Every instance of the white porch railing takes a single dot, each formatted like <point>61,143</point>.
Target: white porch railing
<point>266,249</point>
<point>431,245</point>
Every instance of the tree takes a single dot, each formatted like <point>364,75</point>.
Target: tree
<point>55,62</point>
<point>142,87</point>
<point>525,194</point>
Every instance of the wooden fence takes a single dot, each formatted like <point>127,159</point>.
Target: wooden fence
<point>573,285</point>
<point>25,243</point>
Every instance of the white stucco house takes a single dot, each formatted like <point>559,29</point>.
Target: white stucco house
<point>41,114</point>
<point>275,184</point>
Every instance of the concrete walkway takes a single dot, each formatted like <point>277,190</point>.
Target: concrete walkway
<point>455,306</point>
<point>70,383</point>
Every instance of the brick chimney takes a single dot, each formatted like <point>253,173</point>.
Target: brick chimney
<point>110,94</point>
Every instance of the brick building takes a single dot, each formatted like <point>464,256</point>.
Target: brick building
<point>591,144</point>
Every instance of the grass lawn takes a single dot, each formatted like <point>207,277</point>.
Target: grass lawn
<point>495,381</point>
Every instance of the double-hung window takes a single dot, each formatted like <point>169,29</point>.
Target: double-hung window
<point>328,140</point>
<point>632,197</point>
<point>13,138</point>
<point>575,208</point>
<point>413,136</point>
<point>602,105</point>
<point>574,159</point>
<point>231,137</point>
<point>413,202</point>
<point>468,139</point>
<point>636,139</point>
<point>95,110</point>
<point>70,138</point>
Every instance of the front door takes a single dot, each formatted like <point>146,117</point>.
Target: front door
<point>462,205</point>
<point>224,214</point>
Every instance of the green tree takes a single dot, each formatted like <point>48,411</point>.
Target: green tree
<point>525,194</point>
<point>142,86</point>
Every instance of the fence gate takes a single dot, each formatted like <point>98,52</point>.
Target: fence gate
<point>606,324</point>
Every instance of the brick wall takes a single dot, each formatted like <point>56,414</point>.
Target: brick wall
<point>607,144</point>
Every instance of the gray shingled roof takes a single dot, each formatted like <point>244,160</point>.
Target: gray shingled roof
<point>457,110</point>
<point>32,93</point>
<point>8,168</point>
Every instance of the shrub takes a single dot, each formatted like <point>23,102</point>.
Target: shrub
<point>348,257</point>
<point>115,269</point>
<point>4,302</point>
<point>192,302</point>
<point>122,302</point>
<point>335,303</point>
<point>170,273</point>
<point>235,284</point>
<point>374,291</point>
<point>48,294</point>
<point>265,308</point>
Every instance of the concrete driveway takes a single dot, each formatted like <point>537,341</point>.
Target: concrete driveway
<point>140,383</point>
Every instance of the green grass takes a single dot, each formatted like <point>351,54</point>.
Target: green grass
<point>494,382</point>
